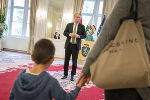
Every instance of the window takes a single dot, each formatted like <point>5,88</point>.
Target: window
<point>89,7</point>
<point>18,18</point>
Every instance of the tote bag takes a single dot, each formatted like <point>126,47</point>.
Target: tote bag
<point>124,62</point>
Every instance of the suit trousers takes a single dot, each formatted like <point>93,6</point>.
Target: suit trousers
<point>74,51</point>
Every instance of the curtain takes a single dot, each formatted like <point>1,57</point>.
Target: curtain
<point>108,6</point>
<point>53,16</point>
<point>3,5</point>
<point>78,6</point>
<point>41,20</point>
<point>67,17</point>
<point>33,10</point>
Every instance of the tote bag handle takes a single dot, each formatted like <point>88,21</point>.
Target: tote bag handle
<point>133,11</point>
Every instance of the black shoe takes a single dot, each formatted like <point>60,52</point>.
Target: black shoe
<point>64,77</point>
<point>72,78</point>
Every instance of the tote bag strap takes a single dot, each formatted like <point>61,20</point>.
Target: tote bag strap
<point>133,11</point>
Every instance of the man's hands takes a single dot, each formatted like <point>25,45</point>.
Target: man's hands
<point>73,35</point>
<point>83,79</point>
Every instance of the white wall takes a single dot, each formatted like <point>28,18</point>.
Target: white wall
<point>15,43</point>
<point>59,45</point>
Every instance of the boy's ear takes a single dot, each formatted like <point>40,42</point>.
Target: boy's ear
<point>51,60</point>
<point>32,58</point>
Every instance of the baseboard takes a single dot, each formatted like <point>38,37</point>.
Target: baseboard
<point>13,50</point>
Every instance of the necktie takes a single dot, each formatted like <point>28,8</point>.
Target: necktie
<point>74,31</point>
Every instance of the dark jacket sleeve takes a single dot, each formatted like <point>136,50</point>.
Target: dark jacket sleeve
<point>66,31</point>
<point>83,33</point>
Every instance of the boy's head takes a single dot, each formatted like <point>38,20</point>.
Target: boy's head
<point>43,52</point>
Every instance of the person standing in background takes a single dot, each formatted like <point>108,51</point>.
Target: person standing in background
<point>74,33</point>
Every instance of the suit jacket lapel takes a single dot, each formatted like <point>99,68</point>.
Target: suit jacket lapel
<point>71,27</point>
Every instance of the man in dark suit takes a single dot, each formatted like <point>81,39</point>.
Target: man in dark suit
<point>74,33</point>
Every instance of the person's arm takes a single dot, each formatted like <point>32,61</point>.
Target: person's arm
<point>60,94</point>
<point>108,32</point>
<point>66,31</point>
<point>83,33</point>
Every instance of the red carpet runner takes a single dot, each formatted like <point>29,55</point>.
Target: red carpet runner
<point>89,92</point>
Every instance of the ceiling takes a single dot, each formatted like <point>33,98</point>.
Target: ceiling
<point>57,3</point>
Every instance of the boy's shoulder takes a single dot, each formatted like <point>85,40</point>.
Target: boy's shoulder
<point>44,74</point>
<point>51,78</point>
